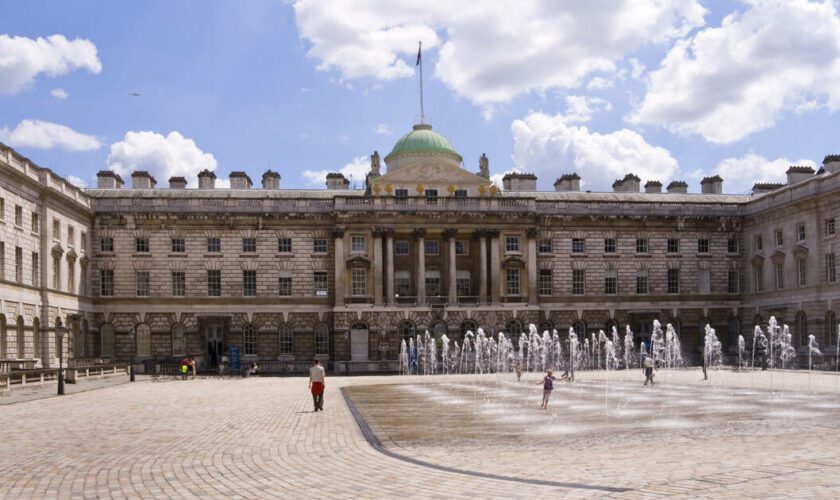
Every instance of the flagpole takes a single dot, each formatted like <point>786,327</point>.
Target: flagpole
<point>420,58</point>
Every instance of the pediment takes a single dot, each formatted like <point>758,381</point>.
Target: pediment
<point>432,172</point>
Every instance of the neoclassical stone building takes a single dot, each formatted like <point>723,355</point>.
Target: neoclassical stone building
<point>146,272</point>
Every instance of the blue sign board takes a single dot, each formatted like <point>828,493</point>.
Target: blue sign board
<point>234,358</point>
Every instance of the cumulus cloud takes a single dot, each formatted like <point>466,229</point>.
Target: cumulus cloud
<point>725,83</point>
<point>355,171</point>
<point>489,53</point>
<point>23,59</point>
<point>383,129</point>
<point>162,156</point>
<point>77,181</point>
<point>47,135</point>
<point>739,174</point>
<point>59,94</point>
<point>550,146</point>
<point>580,109</point>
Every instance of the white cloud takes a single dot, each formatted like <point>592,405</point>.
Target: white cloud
<point>23,59</point>
<point>77,181</point>
<point>728,82</point>
<point>355,171</point>
<point>579,109</point>
<point>47,135</point>
<point>549,146</point>
<point>59,93</point>
<point>599,83</point>
<point>162,156</point>
<point>739,174</point>
<point>637,69</point>
<point>488,53</point>
<point>383,129</point>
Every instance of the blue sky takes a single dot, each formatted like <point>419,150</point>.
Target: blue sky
<point>667,90</point>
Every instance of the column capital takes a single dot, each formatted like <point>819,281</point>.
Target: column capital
<point>532,232</point>
<point>419,233</point>
<point>492,232</point>
<point>450,233</point>
<point>338,232</point>
<point>479,233</point>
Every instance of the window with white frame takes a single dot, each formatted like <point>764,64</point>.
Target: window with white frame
<point>544,282</point>
<point>358,282</point>
<point>214,245</point>
<point>758,278</point>
<point>641,246</point>
<point>431,196</point>
<point>578,281</point>
<point>780,275</point>
<point>578,245</point>
<point>106,282</point>
<point>320,279</point>
<point>106,244</point>
<point>702,245</point>
<point>673,245</point>
<point>642,282</point>
<point>462,247</point>
<point>511,244</point>
<point>512,281</point>
<point>609,245</point>
<point>249,245</point>
<point>732,245</point>
<point>285,284</point>
<point>432,247</point>
<point>36,269</point>
<point>319,245</point>
<point>673,281</point>
<point>214,283</point>
<point>284,245</point>
<point>610,282</point>
<point>802,271</point>
<point>287,339</point>
<point>733,281</point>
<point>249,335</point>
<point>828,226</point>
<point>800,232</point>
<point>322,339</point>
<point>71,275</point>
<point>36,225</point>
<point>358,244</point>
<point>56,230</point>
<point>830,268</point>
<point>544,246</point>
<point>19,265</point>
<point>179,283</point>
<point>758,243</point>
<point>780,237</point>
<point>18,216</point>
<point>56,272</point>
<point>71,236</point>
<point>179,245</point>
<point>179,347</point>
<point>142,280</point>
<point>141,245</point>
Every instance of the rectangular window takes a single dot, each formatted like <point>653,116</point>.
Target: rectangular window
<point>733,281</point>
<point>2,210</point>
<point>19,264</point>
<point>431,196</point>
<point>732,245</point>
<point>642,284</point>
<point>758,279</point>
<point>402,283</point>
<point>462,247</point>
<point>460,193</point>
<point>358,282</point>
<point>2,260</point>
<point>71,236</point>
<point>71,276</point>
<point>704,282</point>
<point>780,276</point>
<point>401,195</point>
<point>780,238</point>
<point>106,244</point>
<point>319,245</point>
<point>673,245</point>
<point>56,273</point>
<point>286,342</point>
<point>36,269</point>
<point>829,227</point>
<point>432,247</point>
<point>179,284</point>
<point>214,245</point>
<point>214,283</point>
<point>544,282</point>
<point>320,280</point>
<point>142,280</point>
<point>802,272</point>
<point>609,245</point>
<point>830,268</point>
<point>641,246</point>
<point>249,283</point>
<point>83,245</point>
<point>511,244</point>
<point>141,245</point>
<point>358,244</point>
<point>249,245</point>
<point>578,245</point>
<point>433,283</point>
<point>611,282</point>
<point>462,284</point>
<point>673,281</point>
<point>179,245</point>
<point>759,244</point>
<point>106,282</point>
<point>703,245</point>
<point>800,232</point>
<point>18,216</point>
<point>36,225</point>
<point>284,245</point>
<point>285,285</point>
<point>56,230</point>
<point>578,281</point>
<point>512,282</point>
<point>401,247</point>
<point>544,246</point>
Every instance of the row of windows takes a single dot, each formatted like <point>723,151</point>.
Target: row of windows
<point>545,282</point>
<point>829,229</point>
<point>214,283</point>
<point>35,270</point>
<point>830,273</point>
<point>35,225</point>
<point>642,245</point>
<point>214,245</point>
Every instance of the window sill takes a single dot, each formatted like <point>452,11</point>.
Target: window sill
<point>515,253</point>
<point>141,254</point>
<point>319,254</point>
<point>643,255</point>
<point>579,255</point>
<point>214,255</point>
<point>19,228</point>
<point>248,255</point>
<point>284,254</point>
<point>673,254</point>
<point>178,254</point>
<point>613,255</point>
<point>105,254</point>
<point>704,255</point>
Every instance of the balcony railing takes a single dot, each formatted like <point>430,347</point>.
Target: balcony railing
<point>358,300</point>
<point>405,300</point>
<point>514,299</point>
<point>436,301</point>
<point>467,300</point>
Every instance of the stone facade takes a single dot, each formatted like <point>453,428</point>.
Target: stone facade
<point>345,274</point>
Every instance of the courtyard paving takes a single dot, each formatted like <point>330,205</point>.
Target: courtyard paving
<point>258,438</point>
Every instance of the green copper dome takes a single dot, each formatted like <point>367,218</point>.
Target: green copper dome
<point>423,140</point>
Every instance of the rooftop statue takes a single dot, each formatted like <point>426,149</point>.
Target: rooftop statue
<point>374,163</point>
<point>484,166</point>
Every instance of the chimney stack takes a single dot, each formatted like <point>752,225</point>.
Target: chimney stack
<point>832,163</point>
<point>679,187</point>
<point>797,173</point>
<point>177,183</point>
<point>206,180</point>
<point>519,182</point>
<point>337,181</point>
<point>653,187</point>
<point>142,179</point>
<point>240,180</point>
<point>766,187</point>
<point>629,184</point>
<point>107,179</point>
<point>711,185</point>
<point>567,182</point>
<point>271,180</point>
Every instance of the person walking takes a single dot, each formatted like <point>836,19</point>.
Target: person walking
<point>518,371</point>
<point>648,369</point>
<point>548,386</point>
<point>316,384</point>
<point>193,367</point>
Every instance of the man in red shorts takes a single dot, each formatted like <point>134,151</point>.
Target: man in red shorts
<point>316,384</point>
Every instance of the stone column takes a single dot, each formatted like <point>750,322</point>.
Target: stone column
<point>377,266</point>
<point>420,236</point>
<point>451,235</point>
<point>532,265</point>
<point>497,281</point>
<point>389,269</point>
<point>340,285</point>
<point>482,262</point>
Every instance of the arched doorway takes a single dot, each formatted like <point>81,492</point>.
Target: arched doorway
<point>359,341</point>
<point>407,330</point>
<point>437,329</point>
<point>144,341</point>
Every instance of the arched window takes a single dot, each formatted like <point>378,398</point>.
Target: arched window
<point>547,326</point>
<point>580,329</point>
<point>21,339</point>
<point>36,339</point>
<point>287,339</point>
<point>734,331</point>
<point>3,353</point>
<point>802,328</point>
<point>250,339</point>
<point>406,330</point>
<point>513,329</point>
<point>179,347</point>
<point>468,325</point>
<point>106,336</point>
<point>322,339</point>
<point>831,332</point>
<point>359,341</point>
<point>144,341</point>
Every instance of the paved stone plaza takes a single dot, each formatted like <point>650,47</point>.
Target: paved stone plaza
<point>258,438</point>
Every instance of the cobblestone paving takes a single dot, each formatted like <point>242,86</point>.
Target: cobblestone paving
<point>258,438</point>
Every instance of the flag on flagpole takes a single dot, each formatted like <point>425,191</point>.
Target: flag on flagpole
<point>419,50</point>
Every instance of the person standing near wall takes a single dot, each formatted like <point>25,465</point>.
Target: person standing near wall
<point>316,384</point>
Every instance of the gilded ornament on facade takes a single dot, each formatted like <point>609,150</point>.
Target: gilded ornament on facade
<point>482,189</point>
<point>451,189</point>
<point>389,188</point>
<point>420,189</point>
<point>377,188</point>
<point>494,190</point>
